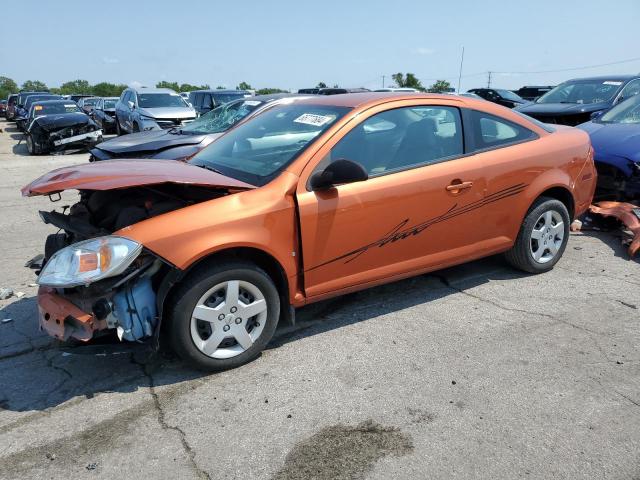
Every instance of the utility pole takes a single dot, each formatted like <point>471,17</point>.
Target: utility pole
<point>383,80</point>
<point>489,80</point>
<point>460,74</point>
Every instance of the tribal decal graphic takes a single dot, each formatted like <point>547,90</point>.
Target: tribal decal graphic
<point>402,231</point>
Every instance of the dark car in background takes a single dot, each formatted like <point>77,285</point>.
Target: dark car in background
<point>23,112</point>
<point>56,125</point>
<point>340,91</point>
<point>574,101</point>
<point>142,109</point>
<point>77,96</point>
<point>615,136</point>
<point>531,92</point>
<point>309,91</point>
<point>206,100</point>
<point>11,106</point>
<point>87,104</point>
<point>104,114</point>
<point>503,97</point>
<point>3,108</point>
<point>182,143</point>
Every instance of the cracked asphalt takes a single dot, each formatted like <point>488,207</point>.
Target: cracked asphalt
<point>477,371</point>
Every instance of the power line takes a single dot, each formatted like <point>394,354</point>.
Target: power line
<point>575,68</point>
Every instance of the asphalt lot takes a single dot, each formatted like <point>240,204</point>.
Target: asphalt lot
<point>473,372</point>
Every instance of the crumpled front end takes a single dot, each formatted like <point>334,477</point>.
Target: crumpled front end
<point>81,135</point>
<point>628,214</point>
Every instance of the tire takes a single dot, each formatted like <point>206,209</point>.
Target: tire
<point>135,127</point>
<point>32,147</point>
<point>542,236</point>
<point>118,129</point>
<point>223,333</point>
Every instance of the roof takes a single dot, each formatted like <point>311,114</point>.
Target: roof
<point>151,90</point>
<point>211,90</point>
<point>622,78</point>
<point>358,99</point>
<point>49,102</point>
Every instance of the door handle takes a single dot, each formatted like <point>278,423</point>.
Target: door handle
<point>455,187</point>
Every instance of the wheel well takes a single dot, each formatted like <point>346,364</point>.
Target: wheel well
<point>563,195</point>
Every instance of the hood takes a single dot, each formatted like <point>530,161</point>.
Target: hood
<point>618,140</point>
<point>561,108</point>
<point>115,174</point>
<point>146,141</point>
<point>168,112</point>
<point>62,120</point>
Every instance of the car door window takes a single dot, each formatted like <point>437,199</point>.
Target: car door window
<point>209,101</point>
<point>493,132</point>
<point>403,138</point>
<point>632,88</point>
<point>197,102</point>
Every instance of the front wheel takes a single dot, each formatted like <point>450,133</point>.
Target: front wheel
<point>118,129</point>
<point>223,317</point>
<point>32,147</point>
<point>542,238</point>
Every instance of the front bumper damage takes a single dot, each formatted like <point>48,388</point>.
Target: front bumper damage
<point>628,214</point>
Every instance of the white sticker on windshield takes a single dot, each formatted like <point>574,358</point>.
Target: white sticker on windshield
<point>611,82</point>
<point>70,106</point>
<point>252,103</point>
<point>311,119</point>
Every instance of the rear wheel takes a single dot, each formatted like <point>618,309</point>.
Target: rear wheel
<point>542,238</point>
<point>223,317</point>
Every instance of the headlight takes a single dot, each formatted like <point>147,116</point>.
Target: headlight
<point>86,262</point>
<point>147,119</point>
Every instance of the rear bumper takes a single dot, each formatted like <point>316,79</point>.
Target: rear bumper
<point>63,320</point>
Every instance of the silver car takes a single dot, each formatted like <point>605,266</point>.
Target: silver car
<point>143,109</point>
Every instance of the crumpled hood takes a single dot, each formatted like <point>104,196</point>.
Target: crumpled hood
<point>116,174</point>
<point>145,141</point>
<point>561,108</point>
<point>63,120</point>
<point>616,142</point>
<point>168,112</point>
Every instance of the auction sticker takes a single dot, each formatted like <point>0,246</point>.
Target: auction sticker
<point>312,119</point>
<point>252,103</point>
<point>611,82</point>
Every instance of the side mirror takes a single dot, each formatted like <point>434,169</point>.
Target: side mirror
<point>132,105</point>
<point>597,114</point>
<point>337,173</point>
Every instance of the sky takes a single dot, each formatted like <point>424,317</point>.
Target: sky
<point>293,44</point>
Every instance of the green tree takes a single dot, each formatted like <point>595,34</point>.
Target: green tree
<point>172,85</point>
<point>440,86</point>
<point>244,86</point>
<point>76,87</point>
<point>220,87</point>
<point>7,86</point>
<point>106,89</point>
<point>34,85</point>
<point>321,85</point>
<point>407,81</point>
<point>187,87</point>
<point>269,91</point>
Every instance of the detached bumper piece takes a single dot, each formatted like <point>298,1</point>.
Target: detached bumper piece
<point>63,320</point>
<point>628,214</point>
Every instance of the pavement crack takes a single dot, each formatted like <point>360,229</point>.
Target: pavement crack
<point>162,421</point>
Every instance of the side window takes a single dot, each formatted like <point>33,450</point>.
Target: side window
<point>209,101</point>
<point>198,100</point>
<point>491,131</point>
<point>125,97</point>
<point>632,88</point>
<point>132,97</point>
<point>402,138</point>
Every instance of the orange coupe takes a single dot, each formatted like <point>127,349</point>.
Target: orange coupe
<point>303,202</point>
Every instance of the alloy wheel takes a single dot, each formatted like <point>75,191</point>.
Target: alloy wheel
<point>547,236</point>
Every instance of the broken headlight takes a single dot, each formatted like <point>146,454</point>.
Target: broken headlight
<point>89,261</point>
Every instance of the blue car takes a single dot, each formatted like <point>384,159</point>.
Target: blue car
<point>615,136</point>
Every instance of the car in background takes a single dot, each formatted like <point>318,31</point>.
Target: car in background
<point>55,125</point>
<point>22,98</point>
<point>308,91</point>
<point>615,136</point>
<point>184,142</point>
<point>104,114</point>
<point>340,91</point>
<point>87,104</point>
<point>23,112</point>
<point>3,108</point>
<point>206,100</point>
<point>77,96</point>
<point>464,94</point>
<point>11,106</point>
<point>531,92</point>
<point>143,109</point>
<point>303,202</point>
<point>503,97</point>
<point>572,102</point>
<point>397,89</point>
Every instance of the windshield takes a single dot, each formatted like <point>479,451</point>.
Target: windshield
<point>160,100</point>
<point>110,103</point>
<point>509,95</point>
<point>36,98</point>
<point>90,101</point>
<point>582,91</point>
<point>222,118</point>
<point>625,112</point>
<point>256,151</point>
<point>55,108</point>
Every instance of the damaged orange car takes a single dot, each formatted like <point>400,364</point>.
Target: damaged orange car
<point>303,202</point>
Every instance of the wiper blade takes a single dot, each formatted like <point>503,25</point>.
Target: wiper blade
<point>211,169</point>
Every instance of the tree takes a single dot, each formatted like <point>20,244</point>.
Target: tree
<point>186,87</point>
<point>172,85</point>
<point>76,87</point>
<point>244,86</point>
<point>34,86</point>
<point>440,86</point>
<point>106,89</point>
<point>7,86</point>
<point>321,85</point>
<point>269,91</point>
<point>221,87</point>
<point>407,81</point>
